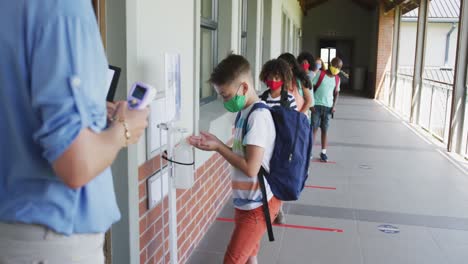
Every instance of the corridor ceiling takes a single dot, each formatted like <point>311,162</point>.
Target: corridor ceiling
<point>406,5</point>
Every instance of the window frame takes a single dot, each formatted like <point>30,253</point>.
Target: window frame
<point>212,25</point>
<point>243,28</point>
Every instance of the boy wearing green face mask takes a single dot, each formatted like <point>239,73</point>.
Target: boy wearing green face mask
<point>233,81</point>
<point>326,91</point>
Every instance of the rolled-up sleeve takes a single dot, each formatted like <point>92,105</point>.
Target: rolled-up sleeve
<point>67,75</point>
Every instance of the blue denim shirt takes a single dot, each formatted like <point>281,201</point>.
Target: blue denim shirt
<point>52,85</point>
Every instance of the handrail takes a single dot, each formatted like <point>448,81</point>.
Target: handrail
<point>425,79</point>
<point>439,82</point>
<point>405,75</point>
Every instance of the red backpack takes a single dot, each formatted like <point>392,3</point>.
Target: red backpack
<point>322,75</point>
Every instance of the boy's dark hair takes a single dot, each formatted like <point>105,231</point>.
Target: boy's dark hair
<point>276,67</point>
<point>298,72</point>
<point>308,57</point>
<point>336,62</point>
<point>229,69</point>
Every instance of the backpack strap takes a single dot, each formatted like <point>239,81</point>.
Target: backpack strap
<point>237,118</point>
<point>264,96</point>
<point>261,173</point>
<point>320,80</point>
<point>284,101</point>
<point>254,107</point>
<point>266,209</point>
<point>337,83</point>
<point>299,87</point>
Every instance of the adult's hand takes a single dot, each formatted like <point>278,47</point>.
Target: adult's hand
<point>137,120</point>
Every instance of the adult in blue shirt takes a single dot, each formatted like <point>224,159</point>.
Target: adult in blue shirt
<point>56,144</point>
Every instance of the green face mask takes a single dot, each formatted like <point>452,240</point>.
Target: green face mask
<point>236,104</point>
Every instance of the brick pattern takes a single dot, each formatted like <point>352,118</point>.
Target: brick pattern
<point>197,209</point>
<point>384,48</point>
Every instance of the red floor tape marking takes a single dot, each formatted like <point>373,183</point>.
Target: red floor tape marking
<point>318,161</point>
<point>230,220</point>
<point>319,187</point>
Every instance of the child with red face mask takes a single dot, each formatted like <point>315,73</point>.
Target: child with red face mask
<point>277,75</point>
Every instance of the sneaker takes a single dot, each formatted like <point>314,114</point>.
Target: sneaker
<point>280,219</point>
<point>323,157</point>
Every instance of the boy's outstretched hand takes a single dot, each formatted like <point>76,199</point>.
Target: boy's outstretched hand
<point>205,141</point>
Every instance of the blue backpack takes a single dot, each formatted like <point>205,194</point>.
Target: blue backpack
<point>289,164</point>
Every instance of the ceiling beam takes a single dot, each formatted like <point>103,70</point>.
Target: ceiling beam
<point>312,4</point>
<point>366,4</point>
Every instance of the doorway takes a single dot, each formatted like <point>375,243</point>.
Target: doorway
<point>343,49</point>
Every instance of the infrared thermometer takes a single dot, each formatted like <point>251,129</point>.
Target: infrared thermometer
<point>140,96</point>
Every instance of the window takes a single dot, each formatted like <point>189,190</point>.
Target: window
<point>327,54</point>
<point>208,48</point>
<point>294,49</point>
<point>284,33</point>
<point>244,29</point>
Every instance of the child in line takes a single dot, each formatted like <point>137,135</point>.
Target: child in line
<point>319,66</point>
<point>277,76</point>
<point>308,63</point>
<point>300,83</point>
<point>327,88</point>
<point>233,81</point>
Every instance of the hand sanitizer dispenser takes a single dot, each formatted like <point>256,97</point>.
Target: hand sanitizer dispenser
<point>184,166</point>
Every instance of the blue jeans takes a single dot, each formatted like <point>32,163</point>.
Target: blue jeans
<point>321,117</point>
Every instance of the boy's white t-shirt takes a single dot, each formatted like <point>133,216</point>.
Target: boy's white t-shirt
<point>260,132</point>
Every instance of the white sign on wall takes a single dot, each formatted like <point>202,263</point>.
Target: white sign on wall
<point>173,88</point>
<point>158,188</point>
<point>166,108</point>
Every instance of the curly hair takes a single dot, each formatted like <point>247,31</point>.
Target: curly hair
<point>308,57</point>
<point>278,68</point>
<point>297,71</point>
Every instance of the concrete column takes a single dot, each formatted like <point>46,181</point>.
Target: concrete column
<point>121,51</point>
<point>254,38</point>
<point>395,52</point>
<point>419,60</point>
<point>267,20</point>
<point>456,133</point>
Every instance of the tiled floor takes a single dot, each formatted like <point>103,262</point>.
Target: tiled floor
<point>384,174</point>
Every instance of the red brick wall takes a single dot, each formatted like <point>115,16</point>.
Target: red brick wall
<point>197,209</point>
<point>384,47</point>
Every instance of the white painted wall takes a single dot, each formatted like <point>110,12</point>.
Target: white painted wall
<point>164,27</point>
<point>293,11</point>
<point>254,37</point>
<point>435,44</point>
<point>156,27</point>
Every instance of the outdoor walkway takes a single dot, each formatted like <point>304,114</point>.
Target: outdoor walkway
<point>381,175</point>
